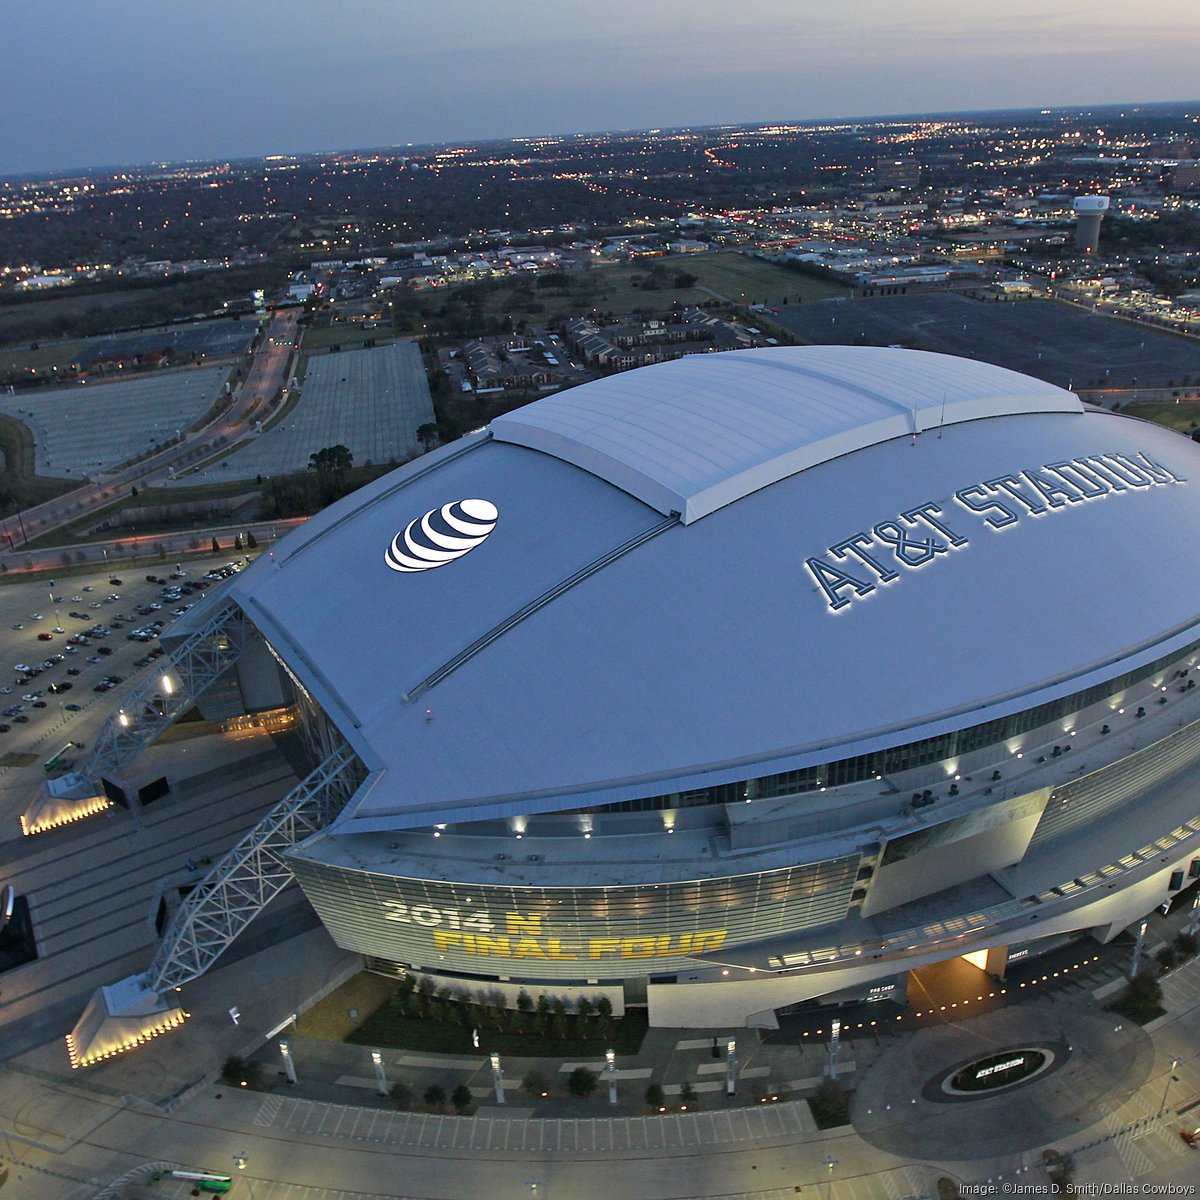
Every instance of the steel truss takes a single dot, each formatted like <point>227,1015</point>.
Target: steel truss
<point>250,875</point>
<point>192,667</point>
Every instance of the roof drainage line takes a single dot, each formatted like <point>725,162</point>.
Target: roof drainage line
<point>419,473</point>
<point>533,606</point>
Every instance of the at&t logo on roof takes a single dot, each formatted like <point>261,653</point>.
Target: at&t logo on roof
<point>441,535</point>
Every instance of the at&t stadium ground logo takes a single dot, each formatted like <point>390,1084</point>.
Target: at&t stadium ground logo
<point>441,535</point>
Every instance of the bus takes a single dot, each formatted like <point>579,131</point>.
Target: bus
<point>56,757</point>
<point>204,1181</point>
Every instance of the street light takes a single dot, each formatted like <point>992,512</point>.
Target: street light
<point>1170,1073</point>
<point>830,1163</point>
<point>380,1077</point>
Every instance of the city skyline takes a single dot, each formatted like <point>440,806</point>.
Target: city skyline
<point>134,83</point>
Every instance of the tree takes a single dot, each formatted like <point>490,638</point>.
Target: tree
<point>687,1095</point>
<point>830,1104</point>
<point>582,1082</point>
<point>524,1001</point>
<point>604,1006</point>
<point>237,542</point>
<point>251,540</point>
<point>435,1096</point>
<point>462,1099</point>
<point>427,435</point>
<point>332,460</point>
<point>238,1072</point>
<point>401,1095</point>
<point>655,1096</point>
<point>216,546</point>
<point>534,1084</point>
<point>584,1008</point>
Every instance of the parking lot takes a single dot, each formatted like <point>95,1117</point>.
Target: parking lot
<point>204,339</point>
<point>372,401</point>
<point>84,429</point>
<point>1063,345</point>
<point>82,640</point>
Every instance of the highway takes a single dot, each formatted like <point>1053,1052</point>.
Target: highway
<point>268,373</point>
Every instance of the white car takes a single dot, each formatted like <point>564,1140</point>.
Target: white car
<point>35,616</point>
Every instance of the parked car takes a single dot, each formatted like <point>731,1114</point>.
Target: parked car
<point>45,637</point>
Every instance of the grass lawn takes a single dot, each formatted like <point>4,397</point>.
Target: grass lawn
<point>386,1027</point>
<point>17,476</point>
<point>329,1019</point>
<point>346,335</point>
<point>48,354</point>
<point>1184,416</point>
<point>747,280</point>
<point>617,288</point>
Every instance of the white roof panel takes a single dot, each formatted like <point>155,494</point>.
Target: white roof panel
<point>693,435</point>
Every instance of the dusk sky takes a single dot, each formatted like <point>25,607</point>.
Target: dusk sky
<point>130,81</point>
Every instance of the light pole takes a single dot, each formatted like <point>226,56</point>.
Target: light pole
<point>380,1077</point>
<point>1162,1108</point>
<point>497,1078</point>
<point>1137,949</point>
<point>830,1163</point>
<point>610,1069</point>
<point>835,1043</point>
<point>288,1065</point>
<point>730,1067</point>
<point>240,1161</point>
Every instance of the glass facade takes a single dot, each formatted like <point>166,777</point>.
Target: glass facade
<point>569,933</point>
<point>899,758</point>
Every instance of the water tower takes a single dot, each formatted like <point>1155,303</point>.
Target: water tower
<point>1089,212</point>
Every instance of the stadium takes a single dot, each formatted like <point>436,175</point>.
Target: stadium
<point>741,682</point>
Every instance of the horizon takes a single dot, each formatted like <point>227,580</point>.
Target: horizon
<point>400,148</point>
<point>133,81</point>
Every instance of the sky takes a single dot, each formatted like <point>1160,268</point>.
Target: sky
<point>87,83</point>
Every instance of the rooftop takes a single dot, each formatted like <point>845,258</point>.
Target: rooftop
<point>693,435</point>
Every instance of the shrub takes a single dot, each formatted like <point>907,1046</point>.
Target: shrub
<point>1186,944</point>
<point>582,1082</point>
<point>237,1072</point>
<point>534,1084</point>
<point>461,1098</point>
<point>687,1095</point>
<point>830,1104</point>
<point>655,1096</point>
<point>401,1095</point>
<point>435,1096</point>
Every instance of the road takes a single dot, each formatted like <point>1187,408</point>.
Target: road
<point>267,374</point>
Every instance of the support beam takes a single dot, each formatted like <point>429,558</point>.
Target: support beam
<point>232,894</point>
<point>194,665</point>
<point>251,875</point>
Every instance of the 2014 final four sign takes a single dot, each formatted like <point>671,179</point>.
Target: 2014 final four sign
<point>855,566</point>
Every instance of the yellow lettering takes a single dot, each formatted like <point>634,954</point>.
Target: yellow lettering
<point>713,939</point>
<point>685,942</point>
<point>516,923</point>
<point>486,944</point>
<point>601,946</point>
<point>528,948</point>
<point>642,947</point>
<point>664,945</point>
<point>445,939</point>
<point>556,950</point>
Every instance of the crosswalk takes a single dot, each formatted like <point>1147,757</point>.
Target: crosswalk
<point>308,1120</point>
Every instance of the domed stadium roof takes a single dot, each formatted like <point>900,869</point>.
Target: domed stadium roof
<point>724,566</point>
